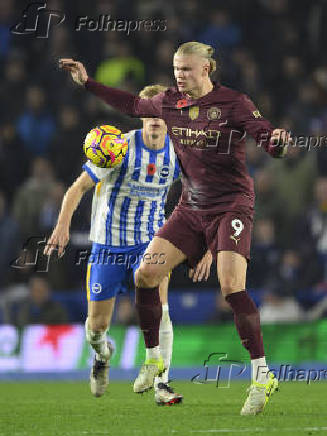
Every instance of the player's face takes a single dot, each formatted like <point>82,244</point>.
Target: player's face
<point>154,126</point>
<point>190,72</point>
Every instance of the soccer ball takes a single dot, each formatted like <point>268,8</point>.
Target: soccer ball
<point>105,146</point>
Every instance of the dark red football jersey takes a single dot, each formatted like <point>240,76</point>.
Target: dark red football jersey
<point>209,139</point>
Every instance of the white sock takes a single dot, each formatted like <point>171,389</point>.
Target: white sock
<point>259,370</point>
<point>152,353</point>
<point>98,341</point>
<point>166,338</point>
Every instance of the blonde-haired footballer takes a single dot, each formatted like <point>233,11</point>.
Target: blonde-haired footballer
<point>127,210</point>
<point>207,123</point>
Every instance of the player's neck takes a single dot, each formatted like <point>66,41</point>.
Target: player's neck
<point>206,87</point>
<point>154,142</point>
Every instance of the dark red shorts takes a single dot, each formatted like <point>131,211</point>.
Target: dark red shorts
<point>194,233</point>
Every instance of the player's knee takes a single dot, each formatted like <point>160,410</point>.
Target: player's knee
<point>147,276</point>
<point>97,323</point>
<point>230,283</point>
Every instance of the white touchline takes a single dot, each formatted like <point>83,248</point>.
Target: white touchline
<point>254,430</point>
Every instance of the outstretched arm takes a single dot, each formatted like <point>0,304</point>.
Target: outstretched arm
<point>60,235</point>
<point>120,100</point>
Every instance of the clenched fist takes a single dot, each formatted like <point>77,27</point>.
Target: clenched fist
<point>76,69</point>
<point>281,138</point>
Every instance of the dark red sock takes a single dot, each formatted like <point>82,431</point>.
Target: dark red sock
<point>247,321</point>
<point>149,309</point>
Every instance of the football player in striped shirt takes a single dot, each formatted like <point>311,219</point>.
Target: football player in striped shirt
<point>127,210</point>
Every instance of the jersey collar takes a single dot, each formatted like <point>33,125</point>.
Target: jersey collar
<point>185,101</point>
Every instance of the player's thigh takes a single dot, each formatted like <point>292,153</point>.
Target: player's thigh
<point>159,259</point>
<point>104,280</point>
<point>230,231</point>
<point>231,271</point>
<point>184,231</point>
<point>100,313</point>
<point>163,286</point>
<point>233,248</point>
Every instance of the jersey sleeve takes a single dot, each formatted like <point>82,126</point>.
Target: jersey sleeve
<point>247,117</point>
<point>96,173</point>
<point>126,102</point>
<point>150,107</point>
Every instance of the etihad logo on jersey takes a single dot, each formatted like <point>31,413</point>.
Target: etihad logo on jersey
<point>185,131</point>
<point>197,137</point>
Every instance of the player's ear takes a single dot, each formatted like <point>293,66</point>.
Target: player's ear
<point>206,69</point>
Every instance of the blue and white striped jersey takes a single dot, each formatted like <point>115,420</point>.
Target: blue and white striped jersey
<point>128,201</point>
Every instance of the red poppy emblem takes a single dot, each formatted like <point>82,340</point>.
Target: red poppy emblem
<point>181,103</point>
<point>151,169</point>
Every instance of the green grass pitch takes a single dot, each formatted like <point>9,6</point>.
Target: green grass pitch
<point>68,409</point>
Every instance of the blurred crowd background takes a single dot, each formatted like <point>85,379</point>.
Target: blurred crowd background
<point>273,50</point>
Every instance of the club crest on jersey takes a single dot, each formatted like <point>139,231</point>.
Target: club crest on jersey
<point>257,114</point>
<point>214,113</point>
<point>193,112</point>
<point>96,288</point>
<point>151,169</point>
<point>164,172</point>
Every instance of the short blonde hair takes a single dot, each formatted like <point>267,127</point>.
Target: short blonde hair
<point>152,90</point>
<point>197,48</point>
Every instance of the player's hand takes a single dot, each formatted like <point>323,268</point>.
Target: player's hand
<point>76,69</point>
<point>57,241</point>
<point>202,269</point>
<point>281,138</point>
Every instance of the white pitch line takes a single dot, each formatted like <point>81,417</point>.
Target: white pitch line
<point>255,430</point>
